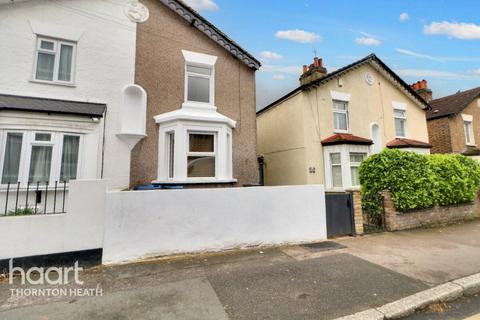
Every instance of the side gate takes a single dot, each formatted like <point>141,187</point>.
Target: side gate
<point>340,215</point>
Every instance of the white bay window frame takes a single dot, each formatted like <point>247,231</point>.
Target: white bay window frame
<point>344,150</point>
<point>56,52</point>
<point>28,142</point>
<point>182,130</point>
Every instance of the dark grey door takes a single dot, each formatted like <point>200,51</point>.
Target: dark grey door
<point>339,214</point>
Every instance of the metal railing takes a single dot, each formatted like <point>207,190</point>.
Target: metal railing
<point>34,198</point>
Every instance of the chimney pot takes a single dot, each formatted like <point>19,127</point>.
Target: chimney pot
<point>305,68</point>
<point>315,62</point>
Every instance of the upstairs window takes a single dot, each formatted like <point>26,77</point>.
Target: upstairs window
<point>199,84</point>
<point>467,125</point>
<point>54,61</point>
<point>340,116</point>
<point>400,117</point>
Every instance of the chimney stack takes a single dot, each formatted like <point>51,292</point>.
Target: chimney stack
<point>313,72</point>
<point>421,87</point>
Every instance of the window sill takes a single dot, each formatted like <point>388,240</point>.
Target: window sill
<point>195,181</point>
<point>199,105</point>
<point>54,83</point>
<point>340,131</point>
<point>471,144</point>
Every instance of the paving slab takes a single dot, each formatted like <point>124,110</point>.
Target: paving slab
<point>434,255</point>
<point>187,299</point>
<point>320,288</point>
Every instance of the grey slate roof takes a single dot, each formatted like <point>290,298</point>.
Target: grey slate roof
<point>21,103</point>
<point>203,25</point>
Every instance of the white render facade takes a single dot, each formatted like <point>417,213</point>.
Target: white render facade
<point>82,51</point>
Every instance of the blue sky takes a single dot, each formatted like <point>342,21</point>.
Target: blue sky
<point>434,40</point>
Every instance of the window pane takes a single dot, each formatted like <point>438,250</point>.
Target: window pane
<point>339,105</point>
<point>198,89</point>
<point>355,176</point>
<point>201,143</point>
<point>45,64</point>
<point>171,154</point>
<point>11,164</point>
<point>65,65</point>
<point>400,127</point>
<point>357,157</point>
<point>40,163</point>
<point>69,165</point>
<point>43,137</point>
<point>335,158</point>
<point>205,71</point>
<point>201,167</point>
<point>47,45</point>
<point>337,176</point>
<point>340,121</point>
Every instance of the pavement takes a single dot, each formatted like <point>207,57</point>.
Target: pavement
<point>324,281</point>
<point>466,308</point>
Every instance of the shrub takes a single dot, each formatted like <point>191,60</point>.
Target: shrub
<point>419,181</point>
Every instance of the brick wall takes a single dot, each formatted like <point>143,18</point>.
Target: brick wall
<point>395,220</point>
<point>439,135</point>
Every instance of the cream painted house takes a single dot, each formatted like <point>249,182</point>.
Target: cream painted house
<point>321,131</point>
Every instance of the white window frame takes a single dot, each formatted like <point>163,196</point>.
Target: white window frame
<point>203,154</point>
<point>55,52</point>
<point>404,118</point>
<point>336,165</point>
<point>182,130</point>
<point>196,59</point>
<point>344,150</point>
<point>28,142</point>
<point>339,111</point>
<point>468,129</point>
<point>355,165</point>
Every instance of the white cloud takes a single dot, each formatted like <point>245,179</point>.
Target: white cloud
<point>418,55</point>
<point>298,36</point>
<point>279,77</point>
<point>475,72</point>
<point>293,70</point>
<point>202,5</point>
<point>367,41</point>
<point>459,30</point>
<point>269,55</point>
<point>404,17</point>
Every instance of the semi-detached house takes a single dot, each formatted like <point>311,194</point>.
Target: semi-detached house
<point>320,132</point>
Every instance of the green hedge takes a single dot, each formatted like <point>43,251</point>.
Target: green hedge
<point>419,181</point>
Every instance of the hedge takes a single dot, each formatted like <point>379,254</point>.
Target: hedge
<point>419,181</point>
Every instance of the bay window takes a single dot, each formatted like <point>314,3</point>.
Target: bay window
<point>342,163</point>
<point>39,157</point>
<point>54,61</point>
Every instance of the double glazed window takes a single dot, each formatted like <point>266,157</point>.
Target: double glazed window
<point>199,84</point>
<point>201,155</point>
<point>400,117</point>
<point>336,165</point>
<point>340,116</point>
<point>39,157</point>
<point>355,159</point>
<point>467,125</point>
<point>54,61</point>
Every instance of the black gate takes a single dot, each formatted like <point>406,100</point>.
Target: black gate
<point>340,220</point>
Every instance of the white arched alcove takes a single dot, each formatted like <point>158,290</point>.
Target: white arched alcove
<point>376,137</point>
<point>133,115</point>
